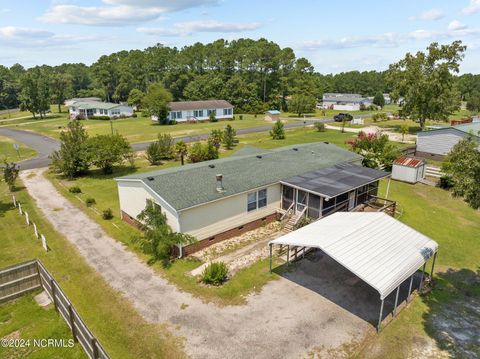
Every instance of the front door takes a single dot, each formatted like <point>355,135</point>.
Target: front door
<point>351,200</point>
<point>301,200</point>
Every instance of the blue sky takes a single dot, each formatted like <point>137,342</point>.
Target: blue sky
<point>334,35</point>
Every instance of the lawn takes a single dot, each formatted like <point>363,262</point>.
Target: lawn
<point>8,152</point>
<point>24,319</point>
<point>456,228</point>
<point>111,318</point>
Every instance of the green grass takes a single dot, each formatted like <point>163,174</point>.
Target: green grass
<point>8,153</point>
<point>111,317</point>
<point>25,319</point>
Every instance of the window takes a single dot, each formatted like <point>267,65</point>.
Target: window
<point>198,113</point>
<point>257,200</point>
<point>227,111</point>
<point>211,111</point>
<point>175,114</point>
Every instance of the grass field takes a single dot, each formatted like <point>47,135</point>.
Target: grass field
<point>110,317</point>
<point>7,152</point>
<point>24,319</point>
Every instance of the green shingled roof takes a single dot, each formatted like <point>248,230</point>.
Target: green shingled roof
<point>195,184</point>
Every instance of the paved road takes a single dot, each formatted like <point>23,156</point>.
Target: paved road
<point>45,145</point>
<point>42,144</point>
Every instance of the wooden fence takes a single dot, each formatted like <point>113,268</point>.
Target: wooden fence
<point>20,279</point>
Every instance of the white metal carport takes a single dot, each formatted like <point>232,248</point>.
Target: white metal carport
<point>377,248</point>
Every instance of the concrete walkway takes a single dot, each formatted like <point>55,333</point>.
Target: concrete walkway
<point>289,318</point>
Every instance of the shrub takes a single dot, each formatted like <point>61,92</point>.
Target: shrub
<point>153,153</point>
<point>102,118</point>
<point>166,143</point>
<point>445,182</point>
<point>319,126</point>
<point>215,273</point>
<point>74,189</point>
<point>199,152</point>
<point>240,117</point>
<point>107,214</point>
<point>278,132</point>
<point>90,201</point>
<point>212,117</point>
<point>134,115</point>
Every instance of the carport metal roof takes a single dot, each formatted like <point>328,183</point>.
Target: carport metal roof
<point>377,248</point>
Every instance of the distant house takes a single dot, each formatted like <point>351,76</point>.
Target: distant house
<point>192,111</point>
<point>272,115</point>
<point>88,109</point>
<point>223,198</point>
<point>438,142</point>
<point>71,101</point>
<point>344,101</point>
<point>409,169</point>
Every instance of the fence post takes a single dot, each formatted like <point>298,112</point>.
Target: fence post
<point>44,242</point>
<point>94,348</point>
<point>35,230</point>
<point>14,201</point>
<point>20,208</point>
<point>26,218</point>
<point>72,322</point>
<point>54,297</point>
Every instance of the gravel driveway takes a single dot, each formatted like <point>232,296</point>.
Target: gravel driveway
<point>314,309</point>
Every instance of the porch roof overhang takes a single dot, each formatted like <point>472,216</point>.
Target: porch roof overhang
<point>377,248</point>
<point>332,181</point>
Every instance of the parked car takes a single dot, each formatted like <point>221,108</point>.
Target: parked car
<point>341,116</point>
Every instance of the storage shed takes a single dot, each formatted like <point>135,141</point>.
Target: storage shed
<point>408,169</point>
<point>272,115</point>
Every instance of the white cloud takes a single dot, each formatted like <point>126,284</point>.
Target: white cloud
<point>29,37</point>
<point>117,12</point>
<point>456,25</point>
<point>190,27</point>
<point>472,8</point>
<point>429,15</point>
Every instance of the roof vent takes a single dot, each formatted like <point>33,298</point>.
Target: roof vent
<point>150,178</point>
<point>259,156</point>
<point>219,178</point>
<point>295,149</point>
<point>211,166</point>
<point>326,142</point>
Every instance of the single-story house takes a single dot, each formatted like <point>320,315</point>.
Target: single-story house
<point>192,111</point>
<point>272,115</point>
<point>438,142</point>
<point>222,198</point>
<point>70,101</point>
<point>96,108</point>
<point>344,101</point>
<point>409,169</point>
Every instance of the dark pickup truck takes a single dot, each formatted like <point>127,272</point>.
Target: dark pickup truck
<point>341,116</point>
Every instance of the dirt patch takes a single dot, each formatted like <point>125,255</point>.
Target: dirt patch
<point>13,335</point>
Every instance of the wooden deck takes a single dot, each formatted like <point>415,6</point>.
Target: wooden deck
<point>377,204</point>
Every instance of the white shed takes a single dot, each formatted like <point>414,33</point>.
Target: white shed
<point>408,169</point>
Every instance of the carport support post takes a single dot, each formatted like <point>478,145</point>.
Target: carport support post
<point>396,302</point>
<point>288,255</point>
<point>410,288</point>
<point>270,245</point>
<point>380,317</point>
<point>433,266</point>
<point>423,276</point>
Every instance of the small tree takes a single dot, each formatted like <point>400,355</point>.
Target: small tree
<point>319,126</point>
<point>73,158</point>
<point>212,117</point>
<point>135,98</point>
<point>216,138</point>
<point>302,103</point>
<point>10,174</point>
<point>462,166</point>
<point>181,150</point>
<point>166,144</point>
<point>108,150</point>
<point>229,137</point>
<point>199,152</point>
<point>376,149</point>
<point>153,153</point>
<point>155,102</point>
<point>404,129</point>
<point>344,121</point>
<point>278,131</point>
<point>379,100</point>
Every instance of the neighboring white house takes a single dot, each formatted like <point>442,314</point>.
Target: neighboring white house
<point>218,199</point>
<point>438,142</point>
<point>344,101</point>
<point>192,111</point>
<point>88,109</point>
<point>409,169</point>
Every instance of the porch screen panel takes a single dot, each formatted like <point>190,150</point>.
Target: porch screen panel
<point>287,197</point>
<point>313,206</point>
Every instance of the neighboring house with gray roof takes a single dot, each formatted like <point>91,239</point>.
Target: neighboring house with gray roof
<point>344,101</point>
<point>438,142</point>
<point>192,111</point>
<point>92,108</point>
<point>218,199</point>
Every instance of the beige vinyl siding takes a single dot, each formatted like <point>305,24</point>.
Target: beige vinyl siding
<point>218,216</point>
<point>133,196</point>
